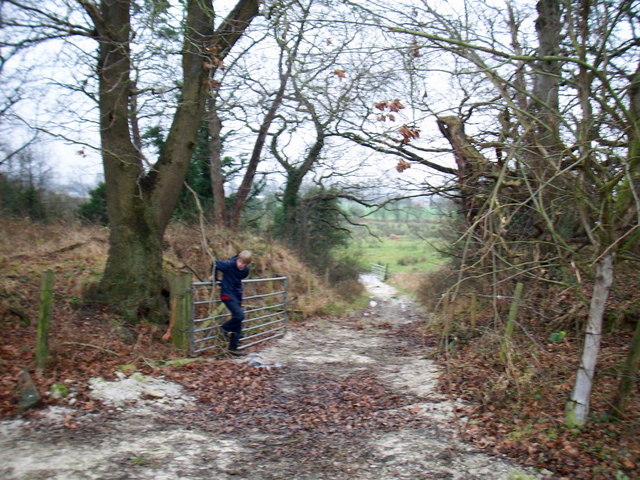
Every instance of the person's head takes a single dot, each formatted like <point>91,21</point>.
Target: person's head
<point>244,259</point>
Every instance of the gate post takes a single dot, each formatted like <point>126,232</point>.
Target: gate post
<point>181,311</point>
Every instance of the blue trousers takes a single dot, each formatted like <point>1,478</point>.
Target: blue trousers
<point>234,325</point>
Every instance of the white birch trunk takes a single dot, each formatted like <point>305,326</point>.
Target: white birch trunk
<point>578,406</point>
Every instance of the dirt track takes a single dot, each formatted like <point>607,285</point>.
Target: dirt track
<point>408,432</point>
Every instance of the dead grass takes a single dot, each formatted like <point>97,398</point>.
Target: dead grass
<point>21,238</point>
<point>188,249</point>
<point>77,254</point>
<point>407,281</point>
<point>86,340</point>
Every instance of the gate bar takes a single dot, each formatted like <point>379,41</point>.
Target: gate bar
<point>274,322</point>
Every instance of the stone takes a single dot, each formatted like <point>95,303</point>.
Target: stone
<point>27,391</point>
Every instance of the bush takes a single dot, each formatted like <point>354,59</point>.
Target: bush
<point>409,260</point>
<point>95,210</point>
<point>433,285</point>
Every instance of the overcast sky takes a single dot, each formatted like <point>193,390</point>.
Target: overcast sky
<point>81,163</point>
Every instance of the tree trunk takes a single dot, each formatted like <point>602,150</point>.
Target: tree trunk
<point>627,377</point>
<point>290,198</point>
<point>140,203</point>
<point>577,408</point>
<point>472,165</point>
<point>287,59</point>
<point>545,101</point>
<point>544,150</point>
<point>200,39</point>
<point>247,181</point>
<point>131,275</point>
<point>217,177</point>
<point>295,176</point>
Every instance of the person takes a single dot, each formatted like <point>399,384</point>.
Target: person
<point>233,271</point>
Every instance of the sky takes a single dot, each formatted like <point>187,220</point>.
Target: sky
<point>74,164</point>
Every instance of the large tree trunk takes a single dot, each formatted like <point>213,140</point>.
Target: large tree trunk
<point>544,103</point>
<point>133,271</point>
<point>544,149</point>
<point>472,166</point>
<point>578,406</point>
<point>139,202</point>
<point>217,177</point>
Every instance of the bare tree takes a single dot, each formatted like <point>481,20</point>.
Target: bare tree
<point>286,59</point>
<point>317,76</point>
<point>555,168</point>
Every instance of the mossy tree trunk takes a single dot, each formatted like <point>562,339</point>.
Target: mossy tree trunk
<point>627,377</point>
<point>141,199</point>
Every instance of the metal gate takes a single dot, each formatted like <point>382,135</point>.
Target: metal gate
<point>265,307</point>
<point>380,271</point>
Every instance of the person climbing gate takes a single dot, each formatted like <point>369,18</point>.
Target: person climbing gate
<point>233,272</point>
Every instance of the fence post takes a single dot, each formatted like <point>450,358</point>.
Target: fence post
<point>511,319</point>
<point>181,311</point>
<point>473,307</point>
<point>44,319</point>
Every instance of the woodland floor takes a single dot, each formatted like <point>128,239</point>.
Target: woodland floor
<point>354,398</point>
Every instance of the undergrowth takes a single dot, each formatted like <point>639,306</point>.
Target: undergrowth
<point>514,392</point>
<point>510,405</point>
<point>86,339</point>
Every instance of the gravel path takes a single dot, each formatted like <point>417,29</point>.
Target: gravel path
<point>402,428</point>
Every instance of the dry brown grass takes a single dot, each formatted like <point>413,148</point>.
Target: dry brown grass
<point>87,340</point>
<point>407,281</point>
<point>77,254</point>
<point>190,249</point>
<point>21,238</point>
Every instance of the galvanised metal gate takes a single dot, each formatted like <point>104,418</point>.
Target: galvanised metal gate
<point>265,307</point>
<point>380,271</point>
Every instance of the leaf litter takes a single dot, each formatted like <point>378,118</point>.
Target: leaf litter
<point>347,399</point>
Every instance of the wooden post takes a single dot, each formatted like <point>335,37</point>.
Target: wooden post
<point>44,320</point>
<point>473,307</point>
<point>181,311</point>
<point>446,316</point>
<point>511,319</point>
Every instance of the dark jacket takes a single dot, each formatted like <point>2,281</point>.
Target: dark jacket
<point>231,285</point>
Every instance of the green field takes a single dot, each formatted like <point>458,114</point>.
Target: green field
<point>403,255</point>
<point>406,237</point>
